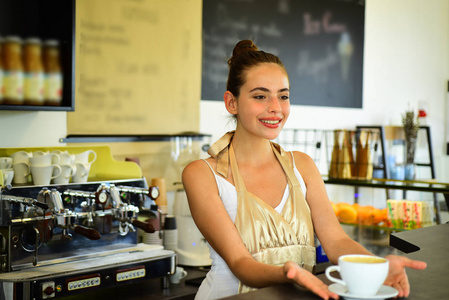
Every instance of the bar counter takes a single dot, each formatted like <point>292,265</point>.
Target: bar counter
<point>430,244</point>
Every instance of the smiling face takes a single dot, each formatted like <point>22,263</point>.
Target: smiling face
<point>263,105</point>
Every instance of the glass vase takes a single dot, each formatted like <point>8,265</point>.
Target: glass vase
<point>409,166</point>
<point>409,171</point>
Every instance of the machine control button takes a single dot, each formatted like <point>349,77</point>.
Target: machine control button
<point>84,282</point>
<point>48,289</point>
<point>130,274</point>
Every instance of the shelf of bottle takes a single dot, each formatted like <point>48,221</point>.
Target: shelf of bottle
<point>416,185</point>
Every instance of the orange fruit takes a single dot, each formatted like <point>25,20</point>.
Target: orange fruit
<point>347,213</point>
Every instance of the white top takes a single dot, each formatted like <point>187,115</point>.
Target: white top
<point>219,281</point>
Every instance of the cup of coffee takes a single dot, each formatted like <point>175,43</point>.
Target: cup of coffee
<point>363,275</point>
<point>42,175</point>
<point>5,162</point>
<point>179,274</point>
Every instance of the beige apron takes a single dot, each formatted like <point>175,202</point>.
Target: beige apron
<point>270,237</point>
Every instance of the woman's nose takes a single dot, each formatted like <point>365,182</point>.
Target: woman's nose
<point>274,105</point>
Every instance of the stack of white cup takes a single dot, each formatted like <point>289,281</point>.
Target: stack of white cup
<point>6,170</point>
<point>83,162</point>
<point>44,167</point>
<point>21,167</point>
<point>67,164</point>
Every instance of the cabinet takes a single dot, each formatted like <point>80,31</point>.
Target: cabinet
<point>44,19</point>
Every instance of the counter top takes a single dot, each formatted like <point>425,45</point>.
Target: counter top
<point>430,244</point>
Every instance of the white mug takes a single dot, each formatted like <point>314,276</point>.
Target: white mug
<point>22,171</point>
<point>67,171</point>
<point>179,274</point>
<point>39,153</point>
<point>363,275</point>
<point>82,173</point>
<point>84,157</point>
<point>5,162</point>
<point>21,156</point>
<point>8,175</point>
<point>44,160</point>
<point>42,175</point>
<point>66,158</point>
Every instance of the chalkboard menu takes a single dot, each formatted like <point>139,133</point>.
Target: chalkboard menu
<point>319,41</point>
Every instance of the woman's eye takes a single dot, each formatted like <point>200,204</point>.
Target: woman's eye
<point>259,97</point>
<point>285,97</point>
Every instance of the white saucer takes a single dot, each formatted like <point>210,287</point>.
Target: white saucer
<point>383,293</point>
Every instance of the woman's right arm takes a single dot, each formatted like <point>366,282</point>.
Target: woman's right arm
<point>214,223</point>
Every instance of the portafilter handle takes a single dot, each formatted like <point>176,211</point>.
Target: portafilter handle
<point>90,233</point>
<point>147,227</point>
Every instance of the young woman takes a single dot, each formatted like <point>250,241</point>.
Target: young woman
<point>259,206</point>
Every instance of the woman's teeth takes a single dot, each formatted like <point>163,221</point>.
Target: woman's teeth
<point>270,122</point>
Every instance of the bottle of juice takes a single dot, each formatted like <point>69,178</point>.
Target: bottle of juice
<point>12,70</point>
<point>33,72</point>
<point>53,73</point>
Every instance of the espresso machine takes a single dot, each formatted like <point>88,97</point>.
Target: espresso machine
<point>60,240</point>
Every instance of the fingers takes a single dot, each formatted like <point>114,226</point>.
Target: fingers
<point>310,282</point>
<point>418,265</point>
<point>406,262</point>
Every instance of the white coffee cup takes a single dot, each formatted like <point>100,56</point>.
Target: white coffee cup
<point>179,274</point>
<point>5,162</point>
<point>21,156</point>
<point>22,171</point>
<point>88,156</point>
<point>82,173</point>
<point>66,158</point>
<point>44,160</point>
<point>363,275</point>
<point>42,175</point>
<point>8,175</point>
<point>66,172</point>
<point>39,153</point>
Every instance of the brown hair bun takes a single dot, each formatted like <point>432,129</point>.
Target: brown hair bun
<point>242,47</point>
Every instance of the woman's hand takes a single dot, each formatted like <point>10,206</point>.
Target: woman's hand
<point>300,276</point>
<point>397,277</point>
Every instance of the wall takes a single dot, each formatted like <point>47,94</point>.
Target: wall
<point>406,61</point>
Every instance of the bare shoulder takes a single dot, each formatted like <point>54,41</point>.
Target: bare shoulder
<point>306,166</point>
<point>195,168</point>
<point>198,173</point>
<point>302,159</point>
